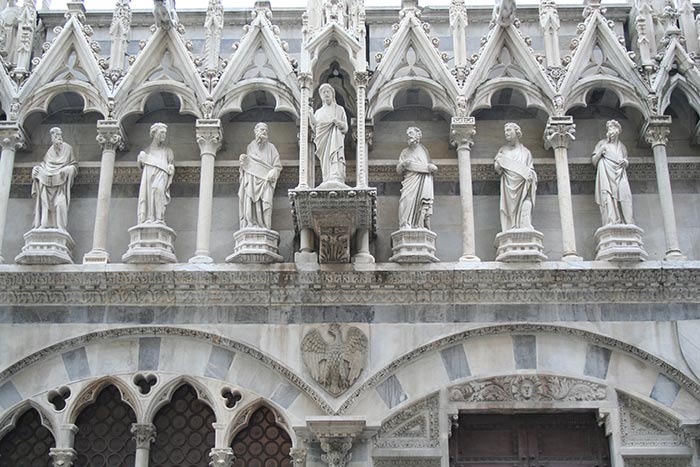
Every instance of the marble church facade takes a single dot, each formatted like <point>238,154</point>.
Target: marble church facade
<point>184,286</point>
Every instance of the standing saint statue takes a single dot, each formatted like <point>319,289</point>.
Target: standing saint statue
<point>260,168</point>
<point>612,189</point>
<point>416,203</point>
<point>156,162</point>
<point>330,125</point>
<point>51,183</point>
<point>518,181</point>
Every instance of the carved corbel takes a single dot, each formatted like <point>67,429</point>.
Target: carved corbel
<point>335,436</point>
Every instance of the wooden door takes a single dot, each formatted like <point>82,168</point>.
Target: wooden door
<point>571,439</point>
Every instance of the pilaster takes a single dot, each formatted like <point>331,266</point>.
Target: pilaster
<point>12,138</point>
<point>462,131</point>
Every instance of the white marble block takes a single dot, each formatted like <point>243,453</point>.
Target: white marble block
<point>46,246</point>
<point>151,243</point>
<point>413,246</point>
<point>619,242</point>
<point>520,246</point>
<point>255,245</point>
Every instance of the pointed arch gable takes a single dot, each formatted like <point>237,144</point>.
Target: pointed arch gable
<point>164,65</point>
<point>165,393</point>
<point>333,31</point>
<point>42,85</point>
<point>243,416</point>
<point>88,395</point>
<point>629,84</point>
<point>687,80</point>
<point>232,101</point>
<point>9,421</point>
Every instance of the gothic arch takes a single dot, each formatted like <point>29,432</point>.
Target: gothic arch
<point>40,100</point>
<point>232,101</point>
<point>625,93</point>
<point>136,101</point>
<point>534,97</point>
<point>383,100</point>
<point>243,416</point>
<point>88,394</point>
<point>163,396</point>
<point>9,421</point>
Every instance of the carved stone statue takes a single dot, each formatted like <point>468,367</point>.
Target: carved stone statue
<point>416,203</point>
<point>612,189</point>
<point>260,168</point>
<point>51,183</point>
<point>518,181</point>
<point>158,170</point>
<point>503,13</point>
<point>164,13</point>
<point>337,364</point>
<point>330,125</point>
<point>9,19</point>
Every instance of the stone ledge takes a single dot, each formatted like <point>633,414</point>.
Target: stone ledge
<point>340,285</point>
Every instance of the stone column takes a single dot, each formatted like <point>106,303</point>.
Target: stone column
<point>298,456</point>
<point>305,81</point>
<point>109,136</point>
<point>209,140</point>
<point>656,134</point>
<point>462,131</point>
<point>361,79</point>
<point>11,138</point>
<point>144,435</point>
<point>558,133</point>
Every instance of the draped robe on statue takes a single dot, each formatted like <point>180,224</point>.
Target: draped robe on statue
<point>330,142</point>
<point>612,189</point>
<point>256,191</point>
<point>51,187</point>
<point>154,192</point>
<point>416,203</point>
<point>516,167</point>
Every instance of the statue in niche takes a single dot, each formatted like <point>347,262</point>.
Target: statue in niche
<point>518,181</point>
<point>612,189</point>
<point>416,203</point>
<point>9,19</point>
<point>260,169</point>
<point>51,183</point>
<point>330,125</point>
<point>156,161</point>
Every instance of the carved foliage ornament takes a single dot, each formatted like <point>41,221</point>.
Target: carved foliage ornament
<point>335,364</point>
<point>415,427</point>
<point>528,388</point>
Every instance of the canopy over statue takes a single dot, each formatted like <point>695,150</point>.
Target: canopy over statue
<point>330,125</point>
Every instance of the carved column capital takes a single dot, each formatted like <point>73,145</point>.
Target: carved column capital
<point>12,136</point>
<point>298,456</point>
<point>336,450</point>
<point>63,457</point>
<point>657,130</point>
<point>209,136</point>
<point>221,457</point>
<point>109,135</point>
<point>144,434</point>
<point>560,131</point>
<point>305,80</point>
<point>462,131</point>
<point>361,78</point>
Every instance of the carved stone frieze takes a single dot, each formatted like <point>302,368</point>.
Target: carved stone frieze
<point>528,388</point>
<point>417,426</point>
<point>336,364</point>
<point>663,461</point>
<point>643,425</point>
<point>406,462</point>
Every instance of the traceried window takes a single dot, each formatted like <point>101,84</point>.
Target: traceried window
<point>104,432</point>
<point>184,431</point>
<point>262,443</point>
<point>28,444</point>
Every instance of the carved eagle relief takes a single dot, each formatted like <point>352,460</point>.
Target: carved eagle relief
<point>335,364</point>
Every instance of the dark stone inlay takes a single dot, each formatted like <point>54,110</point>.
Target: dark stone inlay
<point>597,361</point>
<point>285,394</point>
<point>665,390</point>
<point>76,363</point>
<point>149,353</point>
<point>455,360</point>
<point>219,363</point>
<point>9,395</point>
<point>391,392</point>
<point>525,352</point>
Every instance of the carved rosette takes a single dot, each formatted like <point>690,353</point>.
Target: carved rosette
<point>63,457</point>
<point>144,434</point>
<point>336,451</point>
<point>560,131</point>
<point>221,457</point>
<point>528,388</point>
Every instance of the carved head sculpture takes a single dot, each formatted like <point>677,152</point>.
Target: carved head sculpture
<point>512,131</point>
<point>159,131</point>
<point>413,135</point>
<point>260,131</point>
<point>327,93</point>
<point>56,136</point>
<point>614,129</point>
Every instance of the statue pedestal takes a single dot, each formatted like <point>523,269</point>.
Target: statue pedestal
<point>255,245</point>
<point>335,216</point>
<point>520,246</point>
<point>46,246</point>
<point>151,243</point>
<point>413,246</point>
<point>619,242</point>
